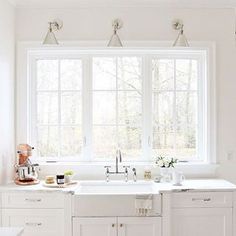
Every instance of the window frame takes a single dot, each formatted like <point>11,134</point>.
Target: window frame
<point>86,54</point>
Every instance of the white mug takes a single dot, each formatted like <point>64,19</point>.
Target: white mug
<point>177,178</point>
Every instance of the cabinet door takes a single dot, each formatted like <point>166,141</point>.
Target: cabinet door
<point>94,226</point>
<point>202,222</point>
<point>139,226</point>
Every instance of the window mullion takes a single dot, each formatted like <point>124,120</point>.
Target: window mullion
<point>87,107</point>
<point>117,110</point>
<point>174,109</point>
<point>147,108</point>
<point>59,108</point>
<point>32,132</point>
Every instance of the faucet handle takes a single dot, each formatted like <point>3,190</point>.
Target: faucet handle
<point>134,174</point>
<point>126,166</point>
<point>107,168</point>
<point>107,172</point>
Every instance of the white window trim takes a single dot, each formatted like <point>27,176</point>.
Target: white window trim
<point>25,50</point>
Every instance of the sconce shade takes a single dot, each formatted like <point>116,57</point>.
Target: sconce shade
<point>54,26</point>
<point>115,41</point>
<point>50,38</point>
<point>181,40</point>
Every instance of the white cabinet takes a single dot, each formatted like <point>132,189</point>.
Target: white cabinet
<point>27,200</point>
<point>139,226</point>
<point>202,214</point>
<point>202,222</point>
<point>48,222</point>
<point>94,226</point>
<point>47,214</point>
<point>117,226</point>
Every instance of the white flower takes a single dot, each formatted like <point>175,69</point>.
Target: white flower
<point>160,163</point>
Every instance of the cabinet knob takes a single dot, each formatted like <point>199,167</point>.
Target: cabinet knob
<point>121,225</point>
<point>113,225</point>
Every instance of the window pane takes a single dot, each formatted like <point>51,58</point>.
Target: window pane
<point>186,108</point>
<point>48,142</point>
<point>71,141</point>
<point>71,108</point>
<point>104,73</point>
<point>186,137</point>
<point>130,108</point>
<point>47,74</point>
<point>71,74</point>
<point>104,108</point>
<point>186,142</point>
<point>163,143</point>
<point>104,141</point>
<point>47,108</point>
<point>186,74</point>
<point>163,74</point>
<point>130,141</point>
<point>129,73</point>
<point>163,111</point>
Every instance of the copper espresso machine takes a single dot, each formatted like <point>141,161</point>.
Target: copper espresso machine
<point>26,172</point>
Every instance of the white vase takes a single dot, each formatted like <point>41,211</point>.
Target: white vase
<point>68,179</point>
<point>166,174</point>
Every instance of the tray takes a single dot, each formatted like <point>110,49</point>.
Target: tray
<point>55,185</point>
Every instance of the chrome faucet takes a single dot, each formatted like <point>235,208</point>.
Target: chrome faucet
<point>117,172</point>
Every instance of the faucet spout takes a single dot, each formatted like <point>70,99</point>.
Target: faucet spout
<point>118,159</point>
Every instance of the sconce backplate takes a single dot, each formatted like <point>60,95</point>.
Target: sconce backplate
<point>57,24</point>
<point>177,24</point>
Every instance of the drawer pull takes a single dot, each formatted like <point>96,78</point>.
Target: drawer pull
<point>113,225</point>
<point>32,224</point>
<point>33,200</point>
<point>201,199</point>
<point>121,225</point>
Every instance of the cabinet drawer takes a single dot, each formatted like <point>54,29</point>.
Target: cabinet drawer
<point>202,199</point>
<point>35,222</point>
<point>32,200</point>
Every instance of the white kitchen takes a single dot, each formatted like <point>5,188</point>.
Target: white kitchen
<point>117,118</point>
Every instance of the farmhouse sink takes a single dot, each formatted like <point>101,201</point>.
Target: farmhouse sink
<point>117,187</point>
<point>115,198</point>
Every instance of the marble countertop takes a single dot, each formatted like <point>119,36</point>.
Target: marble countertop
<point>188,185</point>
<point>5,231</point>
<point>198,185</point>
<point>38,188</point>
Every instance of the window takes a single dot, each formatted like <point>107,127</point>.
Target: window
<point>57,126</point>
<point>117,106</point>
<point>175,107</point>
<point>86,105</point>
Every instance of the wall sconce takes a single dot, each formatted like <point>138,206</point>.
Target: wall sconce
<point>181,40</point>
<point>115,39</point>
<point>54,26</point>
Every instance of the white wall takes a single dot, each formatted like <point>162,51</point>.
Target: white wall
<point>7,77</point>
<point>216,25</point>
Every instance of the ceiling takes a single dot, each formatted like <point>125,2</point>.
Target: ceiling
<point>110,3</point>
